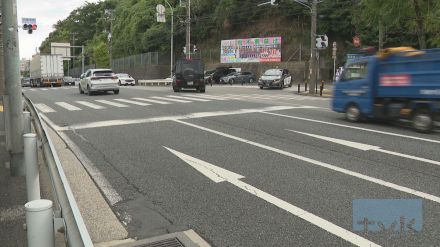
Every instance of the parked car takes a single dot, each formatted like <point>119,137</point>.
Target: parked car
<point>275,78</point>
<point>223,71</point>
<point>25,82</point>
<point>98,80</point>
<point>208,76</point>
<point>189,74</point>
<point>125,79</point>
<point>238,77</point>
<point>68,80</point>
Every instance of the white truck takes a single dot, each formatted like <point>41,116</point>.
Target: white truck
<point>46,70</point>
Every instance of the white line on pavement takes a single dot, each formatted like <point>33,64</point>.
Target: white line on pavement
<point>120,122</point>
<point>44,89</point>
<point>107,102</point>
<point>132,102</point>
<point>91,105</point>
<point>68,106</point>
<point>188,98</point>
<point>153,101</point>
<point>218,174</point>
<point>44,108</point>
<point>207,96</point>
<point>173,100</point>
<point>366,147</point>
<point>319,163</point>
<point>354,127</point>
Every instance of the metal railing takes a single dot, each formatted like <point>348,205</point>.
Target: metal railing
<point>66,212</point>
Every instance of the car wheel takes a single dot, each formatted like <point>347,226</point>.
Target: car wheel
<point>261,87</point>
<point>90,93</point>
<point>281,85</point>
<point>353,114</point>
<point>422,121</point>
<point>251,80</point>
<point>116,91</point>
<point>80,90</point>
<point>231,81</point>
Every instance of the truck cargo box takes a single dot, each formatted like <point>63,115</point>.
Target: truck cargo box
<point>46,69</point>
<point>409,77</point>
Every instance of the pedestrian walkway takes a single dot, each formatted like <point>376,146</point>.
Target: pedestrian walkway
<point>12,200</point>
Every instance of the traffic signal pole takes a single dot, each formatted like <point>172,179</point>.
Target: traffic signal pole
<point>188,29</point>
<point>313,49</point>
<point>13,85</point>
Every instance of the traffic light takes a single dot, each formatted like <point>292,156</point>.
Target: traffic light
<point>194,48</point>
<point>30,27</point>
<point>184,50</point>
<point>274,2</point>
<point>322,42</point>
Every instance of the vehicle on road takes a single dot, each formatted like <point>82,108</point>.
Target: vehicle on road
<point>238,77</point>
<point>68,80</point>
<point>275,78</point>
<point>98,80</point>
<point>46,70</point>
<point>395,84</point>
<point>208,76</point>
<point>125,79</point>
<point>223,71</point>
<point>189,74</point>
<point>26,82</point>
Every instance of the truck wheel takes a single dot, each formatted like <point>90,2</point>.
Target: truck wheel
<point>353,114</point>
<point>422,121</point>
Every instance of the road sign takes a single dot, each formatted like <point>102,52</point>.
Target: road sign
<point>356,41</point>
<point>160,13</point>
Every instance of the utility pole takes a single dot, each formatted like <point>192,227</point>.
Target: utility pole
<point>172,39</point>
<point>12,85</point>
<point>188,29</point>
<point>313,49</point>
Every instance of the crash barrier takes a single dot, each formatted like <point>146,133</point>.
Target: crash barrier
<point>44,218</point>
<point>159,82</point>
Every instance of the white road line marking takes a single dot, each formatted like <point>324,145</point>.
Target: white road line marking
<point>132,102</point>
<point>174,100</point>
<point>207,96</point>
<point>91,105</point>
<point>366,147</point>
<point>33,89</point>
<point>44,89</point>
<point>354,127</point>
<point>68,106</point>
<point>218,174</point>
<point>120,122</point>
<point>153,101</point>
<point>44,108</point>
<point>107,102</point>
<point>189,98</point>
<point>320,164</point>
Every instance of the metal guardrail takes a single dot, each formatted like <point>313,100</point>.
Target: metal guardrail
<point>158,82</point>
<point>67,214</point>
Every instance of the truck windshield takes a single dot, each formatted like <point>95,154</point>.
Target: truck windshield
<point>355,72</point>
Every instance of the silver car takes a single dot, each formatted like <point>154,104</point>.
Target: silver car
<point>98,80</point>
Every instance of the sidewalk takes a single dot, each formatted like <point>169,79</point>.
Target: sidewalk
<point>12,200</point>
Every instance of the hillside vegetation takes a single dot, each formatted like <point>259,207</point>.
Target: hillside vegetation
<point>135,30</point>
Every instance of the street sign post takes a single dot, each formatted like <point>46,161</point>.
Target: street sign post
<point>334,50</point>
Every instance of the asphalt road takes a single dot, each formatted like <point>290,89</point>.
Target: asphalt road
<point>297,167</point>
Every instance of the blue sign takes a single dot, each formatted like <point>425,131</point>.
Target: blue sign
<point>387,215</point>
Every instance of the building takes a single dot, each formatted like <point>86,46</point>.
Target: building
<point>25,65</point>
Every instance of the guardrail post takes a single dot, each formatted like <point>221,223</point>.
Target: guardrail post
<point>39,222</point>
<point>30,162</point>
<point>27,122</point>
<point>299,88</point>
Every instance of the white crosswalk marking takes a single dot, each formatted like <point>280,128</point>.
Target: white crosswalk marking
<point>205,96</point>
<point>91,105</point>
<point>153,101</point>
<point>132,102</point>
<point>44,108</point>
<point>107,102</point>
<point>174,100</point>
<point>188,98</point>
<point>68,106</point>
<point>44,89</point>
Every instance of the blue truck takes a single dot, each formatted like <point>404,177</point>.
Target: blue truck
<point>396,84</point>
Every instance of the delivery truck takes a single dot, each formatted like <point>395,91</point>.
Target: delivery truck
<point>46,70</point>
<point>396,84</point>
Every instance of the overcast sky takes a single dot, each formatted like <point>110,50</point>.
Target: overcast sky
<point>47,13</point>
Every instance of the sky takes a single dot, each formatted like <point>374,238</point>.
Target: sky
<point>47,13</point>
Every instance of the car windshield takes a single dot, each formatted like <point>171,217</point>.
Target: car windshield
<point>103,73</point>
<point>273,72</point>
<point>123,75</point>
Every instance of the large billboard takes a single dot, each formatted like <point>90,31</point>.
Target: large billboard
<point>254,50</point>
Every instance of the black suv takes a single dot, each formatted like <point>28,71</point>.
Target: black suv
<point>189,74</point>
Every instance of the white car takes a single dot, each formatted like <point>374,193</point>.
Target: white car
<point>98,80</point>
<point>125,79</point>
